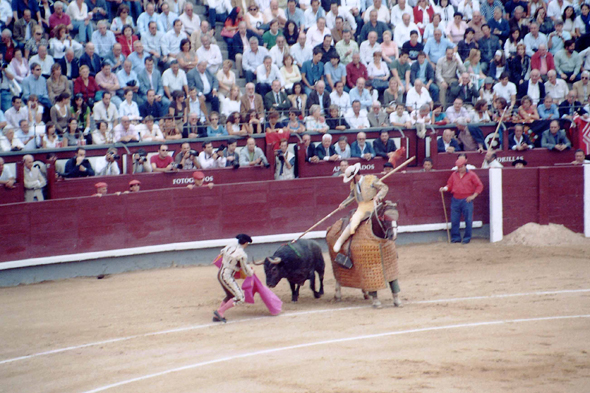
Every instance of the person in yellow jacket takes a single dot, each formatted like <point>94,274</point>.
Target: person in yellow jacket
<point>365,190</point>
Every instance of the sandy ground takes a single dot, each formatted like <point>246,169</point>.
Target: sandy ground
<point>456,333</point>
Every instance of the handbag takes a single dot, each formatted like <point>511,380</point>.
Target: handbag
<point>225,32</point>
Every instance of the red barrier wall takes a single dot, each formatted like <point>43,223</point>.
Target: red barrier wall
<point>543,195</point>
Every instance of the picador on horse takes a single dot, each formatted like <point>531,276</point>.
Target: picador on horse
<point>369,260</point>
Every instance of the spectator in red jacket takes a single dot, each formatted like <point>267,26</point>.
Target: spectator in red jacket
<point>355,70</point>
<point>85,84</point>
<point>542,60</point>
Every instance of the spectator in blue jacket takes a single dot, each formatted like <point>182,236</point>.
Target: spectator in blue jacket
<point>448,143</point>
<point>361,148</point>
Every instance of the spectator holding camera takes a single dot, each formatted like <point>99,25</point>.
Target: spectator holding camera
<point>140,162</point>
<point>231,156</point>
<point>78,166</point>
<point>162,162</point>
<point>208,159</point>
<point>285,165</point>
<point>187,158</point>
<point>128,78</point>
<point>107,165</point>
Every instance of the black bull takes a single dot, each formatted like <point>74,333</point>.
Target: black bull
<point>297,262</point>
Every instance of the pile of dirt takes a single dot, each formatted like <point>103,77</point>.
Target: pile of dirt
<point>536,235</point>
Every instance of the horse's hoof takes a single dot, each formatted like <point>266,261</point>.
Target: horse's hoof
<point>377,304</point>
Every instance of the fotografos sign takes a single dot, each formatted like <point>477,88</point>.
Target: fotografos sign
<point>189,180</point>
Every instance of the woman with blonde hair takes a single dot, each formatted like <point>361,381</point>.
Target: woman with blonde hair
<point>291,73</point>
<point>389,48</point>
<point>473,67</point>
<point>315,122</point>
<point>226,78</point>
<point>231,103</point>
<point>255,20</point>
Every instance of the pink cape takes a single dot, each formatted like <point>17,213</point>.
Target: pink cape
<point>253,285</point>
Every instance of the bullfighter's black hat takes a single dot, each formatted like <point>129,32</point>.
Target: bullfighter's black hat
<point>243,238</point>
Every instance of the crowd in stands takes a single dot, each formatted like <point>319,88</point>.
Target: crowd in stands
<point>102,72</point>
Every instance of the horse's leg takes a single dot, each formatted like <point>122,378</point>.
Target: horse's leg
<point>338,293</point>
<point>376,302</point>
<point>365,294</point>
<point>394,285</point>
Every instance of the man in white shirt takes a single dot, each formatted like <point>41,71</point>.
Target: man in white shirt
<point>190,20</point>
<point>174,79</point>
<point>336,11</point>
<point>171,42</point>
<point>418,96</point>
<point>534,87</point>
<point>44,60</point>
<point>402,31</point>
<point>382,12</point>
<point>300,51</point>
<point>556,88</point>
<point>313,13</point>
<point>27,136</point>
<point>208,159</point>
<point>266,73</point>
<point>274,12</point>
<point>105,111</point>
<point>317,32</point>
<point>16,113</point>
<point>357,117</point>
<point>152,41</point>
<point>398,11</point>
<point>505,89</point>
<point>211,54</point>
<point>491,161</point>
<point>555,8</point>
<point>368,48</point>
<point>34,180</point>
<point>340,98</point>
<point>107,165</point>
<point>7,178</point>
<point>103,40</point>
<point>252,58</point>
<point>146,18</point>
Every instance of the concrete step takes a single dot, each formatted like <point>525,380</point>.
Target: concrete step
<point>241,82</point>
<point>200,10</point>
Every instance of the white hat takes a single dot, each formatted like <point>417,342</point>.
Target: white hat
<point>351,172</point>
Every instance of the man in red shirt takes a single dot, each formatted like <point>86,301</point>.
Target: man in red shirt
<point>465,187</point>
<point>161,162</point>
<point>355,70</point>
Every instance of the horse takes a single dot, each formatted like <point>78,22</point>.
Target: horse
<point>372,251</point>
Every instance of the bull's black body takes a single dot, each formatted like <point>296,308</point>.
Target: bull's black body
<point>299,262</point>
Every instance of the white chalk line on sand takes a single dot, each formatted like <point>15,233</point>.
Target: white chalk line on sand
<point>293,314</point>
<point>328,342</point>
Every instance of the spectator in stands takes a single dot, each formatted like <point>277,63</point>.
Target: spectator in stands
<point>186,159</point>
<point>401,71</point>
<point>19,66</point>
<point>342,148</point>
<point>491,161</point>
<point>91,60</point>
<point>427,165</point>
<point>580,158</point>
<point>325,151</point>
<point>458,112</point>
<point>298,98</point>
<point>192,128</point>
<point>108,81</point>
<point>81,20</point>
<point>252,59</point>
<point>423,69</point>
<point>9,142</point>
<point>285,162</point>
<point>37,85</point>
<point>319,97</point>
<point>346,47</point>
<point>374,25</point>
<point>518,140</point>
<point>362,95</point>
<point>103,39</point>
<point>489,44</point>
<point>107,165</point>
<point>357,116</point>
<point>218,11</point>
<point>361,148</point>
<point>317,32</point>
<point>150,132</point>
<point>571,106</point>
<point>534,88</point>
<point>316,122</point>
<point>448,143</point>
<point>568,62</point>
<point>125,132</point>
<point>27,137</point>
<point>312,71</point>
<point>446,73</point>
<point>34,181</point>
<point>542,61</point>
<point>166,18</point>
<point>384,146</point>
<point>105,110</point>
<point>499,26</point>
<point>162,162</point>
<point>471,137</point>
<point>277,99</point>
<point>151,106</point>
<point>436,48</point>
<point>85,84</point>
<point>237,45</point>
<point>399,10</point>
<point>101,136</point>
<point>171,42</point>
<point>16,113</point>
<point>355,70</point>
<point>232,158</point>
<point>418,96</point>
<point>7,178</point>
<point>252,101</point>
<point>340,98</point>
<point>226,78</point>
<point>152,41</point>
<point>174,79</point>
<point>582,88</point>
<point>151,79</point>
<point>554,138</point>
<point>190,21</point>
<point>23,28</point>
<point>556,88</point>
<point>59,17</point>
<point>270,36</point>
<point>44,60</point>
<point>534,39</point>
<point>402,32</point>
<point>206,84</point>
<point>137,57</point>
<point>377,117</point>
<point>215,129</point>
<point>400,118</point>
<point>147,17</point>
<point>295,14</point>
<point>57,83</point>
<point>505,89</point>
<point>464,89</point>
<point>334,71</point>
<point>211,53</point>
<point>128,80</point>
<point>548,110</point>
<point>300,51</point>
<point>335,121</point>
<point>252,155</point>
<point>78,166</point>
<point>265,74</point>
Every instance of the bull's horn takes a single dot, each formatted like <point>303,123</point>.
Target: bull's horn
<point>258,263</point>
<point>274,260</point>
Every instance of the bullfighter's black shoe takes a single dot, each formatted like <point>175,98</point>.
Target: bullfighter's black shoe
<point>218,318</point>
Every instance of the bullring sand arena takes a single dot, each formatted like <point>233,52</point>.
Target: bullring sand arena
<point>507,317</point>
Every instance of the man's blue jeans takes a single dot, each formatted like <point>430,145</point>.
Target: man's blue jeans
<point>458,207</point>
